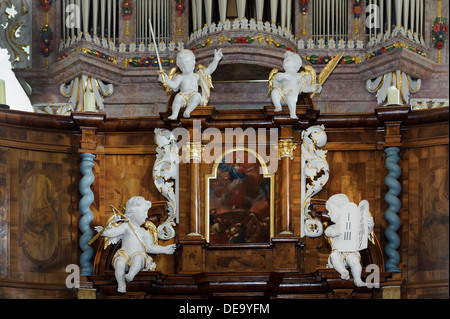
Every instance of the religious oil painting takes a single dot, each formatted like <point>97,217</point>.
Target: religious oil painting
<point>239,199</point>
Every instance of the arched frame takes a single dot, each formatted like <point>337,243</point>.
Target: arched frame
<point>265,175</point>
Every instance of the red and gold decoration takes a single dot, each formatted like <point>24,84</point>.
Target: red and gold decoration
<point>46,41</point>
<point>180,9</point>
<point>46,38</point>
<point>127,11</point>
<point>46,4</point>
<point>147,61</point>
<point>356,14</point>
<point>303,4</point>
<point>439,32</point>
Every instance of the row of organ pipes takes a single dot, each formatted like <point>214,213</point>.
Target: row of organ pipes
<point>405,15</point>
<point>329,17</point>
<point>199,19</point>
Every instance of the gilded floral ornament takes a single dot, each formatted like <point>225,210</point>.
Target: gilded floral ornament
<point>286,148</point>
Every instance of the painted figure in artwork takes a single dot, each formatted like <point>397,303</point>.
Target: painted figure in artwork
<point>284,88</point>
<point>348,235</point>
<point>188,82</point>
<point>137,242</point>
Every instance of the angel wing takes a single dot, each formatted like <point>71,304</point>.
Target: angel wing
<point>205,83</point>
<point>271,77</point>
<point>153,230</point>
<point>309,71</point>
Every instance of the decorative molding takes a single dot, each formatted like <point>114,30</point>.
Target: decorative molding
<point>393,46</point>
<point>286,148</point>
<point>402,81</point>
<point>425,104</point>
<point>77,88</point>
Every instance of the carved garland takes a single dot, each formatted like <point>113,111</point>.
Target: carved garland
<point>166,169</point>
<point>315,174</point>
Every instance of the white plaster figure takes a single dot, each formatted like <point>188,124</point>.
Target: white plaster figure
<point>286,87</point>
<point>188,82</point>
<point>137,242</point>
<point>345,233</point>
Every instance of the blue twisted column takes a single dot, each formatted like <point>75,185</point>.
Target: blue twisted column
<point>87,163</point>
<point>391,214</point>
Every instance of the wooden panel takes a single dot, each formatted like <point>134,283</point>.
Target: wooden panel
<point>40,222</point>
<point>426,231</point>
<point>4,216</point>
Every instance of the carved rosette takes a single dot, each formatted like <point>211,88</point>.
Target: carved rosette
<point>286,148</point>
<point>165,174</point>
<point>314,175</point>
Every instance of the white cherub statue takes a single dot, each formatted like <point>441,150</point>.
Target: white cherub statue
<point>284,88</point>
<point>348,235</point>
<point>188,82</point>
<point>137,242</point>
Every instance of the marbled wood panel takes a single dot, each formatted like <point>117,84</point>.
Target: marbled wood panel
<point>127,176</point>
<point>356,174</point>
<point>426,230</point>
<point>239,260</point>
<point>43,240</point>
<point>4,214</point>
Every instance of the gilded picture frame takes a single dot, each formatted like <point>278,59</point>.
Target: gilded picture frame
<point>239,199</point>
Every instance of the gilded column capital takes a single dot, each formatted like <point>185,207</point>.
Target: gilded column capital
<point>193,150</point>
<point>286,148</point>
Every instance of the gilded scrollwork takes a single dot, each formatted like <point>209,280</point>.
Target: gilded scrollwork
<point>15,31</point>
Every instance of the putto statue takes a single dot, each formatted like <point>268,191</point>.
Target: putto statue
<point>352,227</point>
<point>284,88</point>
<point>188,82</point>
<point>137,242</point>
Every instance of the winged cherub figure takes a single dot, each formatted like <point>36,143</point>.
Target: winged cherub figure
<point>284,88</point>
<point>189,81</point>
<point>137,242</point>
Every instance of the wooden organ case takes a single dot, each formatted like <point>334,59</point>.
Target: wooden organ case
<point>238,231</point>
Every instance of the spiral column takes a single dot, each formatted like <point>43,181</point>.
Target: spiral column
<point>87,198</point>
<point>391,214</point>
<point>393,117</point>
<point>87,123</point>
